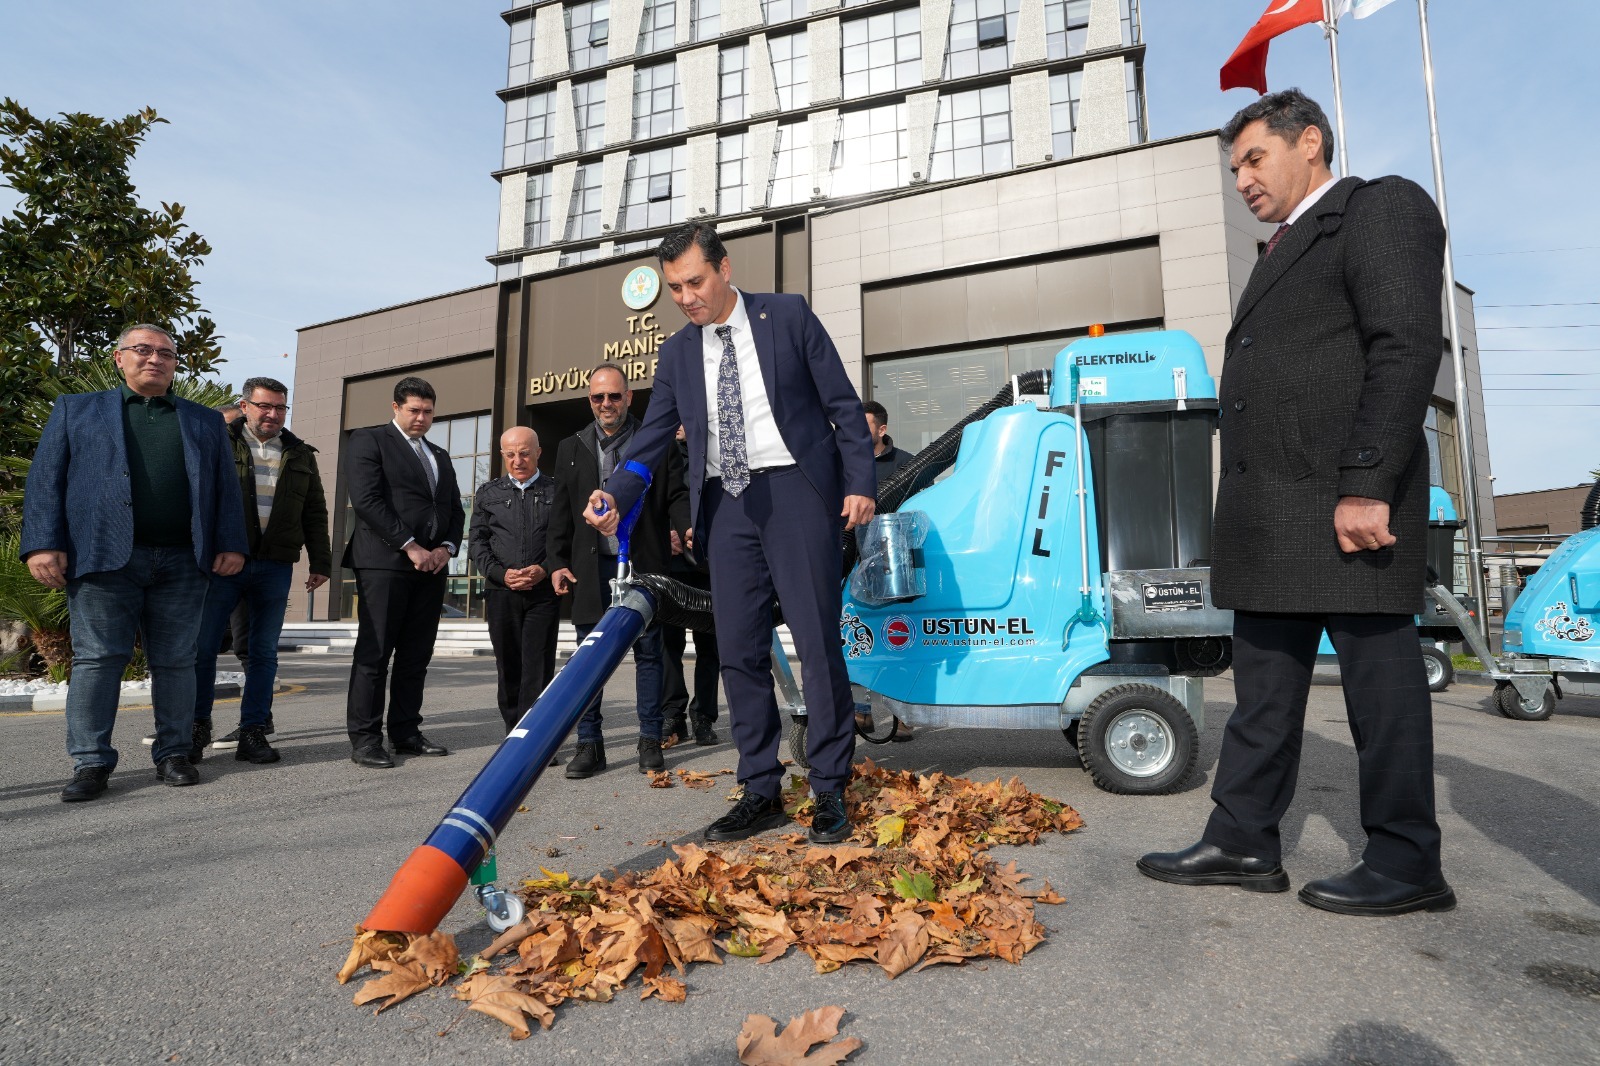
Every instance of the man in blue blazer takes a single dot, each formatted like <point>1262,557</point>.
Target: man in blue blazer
<point>131,504</point>
<point>779,464</point>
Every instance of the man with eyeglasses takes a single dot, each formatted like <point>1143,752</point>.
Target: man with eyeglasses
<point>132,524</point>
<point>285,510</point>
<point>583,561</point>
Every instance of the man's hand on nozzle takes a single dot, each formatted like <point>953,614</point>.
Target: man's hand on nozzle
<point>858,511</point>
<point>605,523</point>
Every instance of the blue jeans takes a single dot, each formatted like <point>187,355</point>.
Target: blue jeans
<point>649,673</point>
<point>263,588</point>
<point>158,595</point>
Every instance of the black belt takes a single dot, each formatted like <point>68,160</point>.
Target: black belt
<point>761,470</point>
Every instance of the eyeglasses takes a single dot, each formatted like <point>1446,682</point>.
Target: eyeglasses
<point>605,397</point>
<point>270,408</point>
<point>145,351</point>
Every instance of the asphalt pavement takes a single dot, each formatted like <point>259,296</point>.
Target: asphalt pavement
<point>205,925</point>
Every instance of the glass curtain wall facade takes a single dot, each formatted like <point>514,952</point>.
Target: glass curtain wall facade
<point>892,87</point>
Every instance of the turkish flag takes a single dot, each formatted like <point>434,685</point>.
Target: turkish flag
<point>1247,67</point>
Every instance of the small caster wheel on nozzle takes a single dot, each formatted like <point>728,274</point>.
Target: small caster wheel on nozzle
<point>502,909</point>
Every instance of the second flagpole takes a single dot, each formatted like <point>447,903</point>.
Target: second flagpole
<point>1331,31</point>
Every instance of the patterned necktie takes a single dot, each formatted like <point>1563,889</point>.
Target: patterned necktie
<point>730,419</point>
<point>1276,237</point>
<point>427,467</point>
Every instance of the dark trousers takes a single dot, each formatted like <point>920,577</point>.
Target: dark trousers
<point>398,616</point>
<point>779,536</point>
<point>678,703</point>
<point>522,629</point>
<point>1391,720</point>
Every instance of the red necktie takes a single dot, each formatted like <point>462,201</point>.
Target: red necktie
<point>1276,237</point>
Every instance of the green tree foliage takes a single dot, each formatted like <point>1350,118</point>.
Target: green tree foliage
<point>80,258</point>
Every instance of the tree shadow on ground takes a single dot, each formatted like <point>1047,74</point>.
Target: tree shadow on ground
<point>1379,1044</point>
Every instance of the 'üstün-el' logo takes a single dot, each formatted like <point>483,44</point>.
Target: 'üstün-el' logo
<point>897,632</point>
<point>641,287</point>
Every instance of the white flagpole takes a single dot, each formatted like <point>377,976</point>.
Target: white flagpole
<point>1464,441</point>
<point>1330,23</point>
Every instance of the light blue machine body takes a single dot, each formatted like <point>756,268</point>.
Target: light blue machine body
<point>1008,616</point>
<point>1558,613</point>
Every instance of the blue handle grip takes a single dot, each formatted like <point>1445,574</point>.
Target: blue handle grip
<point>629,520</point>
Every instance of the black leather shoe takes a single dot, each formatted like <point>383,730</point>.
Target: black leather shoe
<point>589,760</point>
<point>704,735</point>
<point>373,757</point>
<point>177,771</point>
<point>1207,864</point>
<point>1362,890</point>
<point>419,745</point>
<point>650,759</point>
<point>829,822</point>
<point>86,784</point>
<point>751,815</point>
<point>199,739</point>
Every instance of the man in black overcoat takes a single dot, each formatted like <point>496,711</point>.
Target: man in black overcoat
<point>583,561</point>
<point>409,524</point>
<point>1321,511</point>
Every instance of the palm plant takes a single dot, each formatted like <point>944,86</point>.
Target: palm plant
<point>41,608</point>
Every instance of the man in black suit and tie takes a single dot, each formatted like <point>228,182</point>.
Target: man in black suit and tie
<point>1321,512</point>
<point>409,522</point>
<point>779,465</point>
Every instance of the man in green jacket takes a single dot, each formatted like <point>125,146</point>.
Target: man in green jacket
<point>285,510</point>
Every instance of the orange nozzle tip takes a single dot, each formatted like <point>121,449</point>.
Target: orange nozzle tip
<point>424,889</point>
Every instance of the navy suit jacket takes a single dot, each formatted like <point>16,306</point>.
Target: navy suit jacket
<point>818,413</point>
<point>79,497</point>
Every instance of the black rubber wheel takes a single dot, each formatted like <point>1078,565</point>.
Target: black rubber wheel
<point>1511,704</point>
<point>1441,671</point>
<point>797,742</point>
<point>1204,656</point>
<point>1138,740</point>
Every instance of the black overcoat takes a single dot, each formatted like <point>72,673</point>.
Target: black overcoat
<point>571,543</point>
<point>1327,375</point>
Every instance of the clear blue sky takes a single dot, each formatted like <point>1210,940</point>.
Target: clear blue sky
<point>337,156</point>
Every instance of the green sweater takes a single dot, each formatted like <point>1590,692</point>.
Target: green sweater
<point>155,468</point>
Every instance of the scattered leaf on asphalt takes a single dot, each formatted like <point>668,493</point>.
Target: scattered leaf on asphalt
<point>932,898</point>
<point>659,779</point>
<point>760,1043</point>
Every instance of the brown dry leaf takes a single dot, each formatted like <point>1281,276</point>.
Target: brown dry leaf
<point>669,989</point>
<point>513,936</point>
<point>829,957</point>
<point>904,945</point>
<point>692,856</point>
<point>1049,895</point>
<point>661,779</point>
<point>501,998</point>
<point>760,1044</point>
<point>370,945</point>
<point>693,937</point>
<point>435,953</point>
<point>400,981</point>
<point>698,779</point>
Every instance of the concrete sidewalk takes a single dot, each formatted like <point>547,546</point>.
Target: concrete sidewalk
<point>204,925</point>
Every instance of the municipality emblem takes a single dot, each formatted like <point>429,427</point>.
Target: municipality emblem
<point>641,287</point>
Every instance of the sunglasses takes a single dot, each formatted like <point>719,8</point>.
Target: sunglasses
<point>605,397</point>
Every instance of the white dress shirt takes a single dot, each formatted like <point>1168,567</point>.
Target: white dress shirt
<point>763,444</point>
<point>1310,201</point>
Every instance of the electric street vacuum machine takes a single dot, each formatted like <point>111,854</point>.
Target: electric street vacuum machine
<point>1059,577</point>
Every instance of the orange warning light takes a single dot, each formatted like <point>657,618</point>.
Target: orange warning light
<point>1097,330</point>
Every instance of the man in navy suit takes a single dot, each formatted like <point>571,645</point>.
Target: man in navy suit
<point>779,464</point>
<point>409,522</point>
<point>132,503</point>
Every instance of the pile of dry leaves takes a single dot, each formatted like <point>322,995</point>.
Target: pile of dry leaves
<point>913,889</point>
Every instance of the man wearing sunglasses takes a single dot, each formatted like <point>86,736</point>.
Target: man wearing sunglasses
<point>285,510</point>
<point>780,465</point>
<point>583,561</point>
<point>131,506</point>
